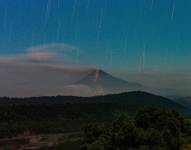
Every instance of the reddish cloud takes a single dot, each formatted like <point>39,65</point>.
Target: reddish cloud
<point>40,56</point>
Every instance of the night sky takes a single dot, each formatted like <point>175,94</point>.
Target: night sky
<point>118,36</point>
<point>150,35</point>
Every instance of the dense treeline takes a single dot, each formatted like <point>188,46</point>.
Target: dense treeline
<point>56,118</point>
<point>134,99</point>
<point>150,129</point>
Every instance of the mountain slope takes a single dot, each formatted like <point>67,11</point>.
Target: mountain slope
<point>101,80</point>
<point>133,100</point>
<point>139,99</point>
<point>184,101</point>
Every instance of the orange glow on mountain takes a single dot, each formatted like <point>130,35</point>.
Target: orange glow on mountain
<point>97,74</point>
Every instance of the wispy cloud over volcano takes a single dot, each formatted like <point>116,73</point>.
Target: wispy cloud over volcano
<point>40,56</point>
<point>40,70</point>
<point>51,52</point>
<point>47,53</point>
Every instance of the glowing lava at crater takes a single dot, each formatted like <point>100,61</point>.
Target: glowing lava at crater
<point>97,75</point>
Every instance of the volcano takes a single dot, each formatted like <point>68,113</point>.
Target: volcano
<point>100,80</point>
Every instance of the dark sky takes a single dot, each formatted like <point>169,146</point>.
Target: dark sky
<point>140,35</point>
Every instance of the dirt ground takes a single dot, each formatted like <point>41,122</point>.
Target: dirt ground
<point>34,142</point>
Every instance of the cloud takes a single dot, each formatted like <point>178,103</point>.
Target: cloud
<point>25,80</point>
<point>52,57</point>
<point>47,69</point>
<point>62,67</point>
<point>9,59</point>
<point>79,90</point>
<point>55,56</point>
<point>40,56</point>
<point>56,47</point>
<point>46,53</point>
<point>55,52</point>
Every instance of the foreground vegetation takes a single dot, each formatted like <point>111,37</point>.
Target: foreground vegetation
<point>149,129</point>
<point>51,119</point>
<point>99,123</point>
